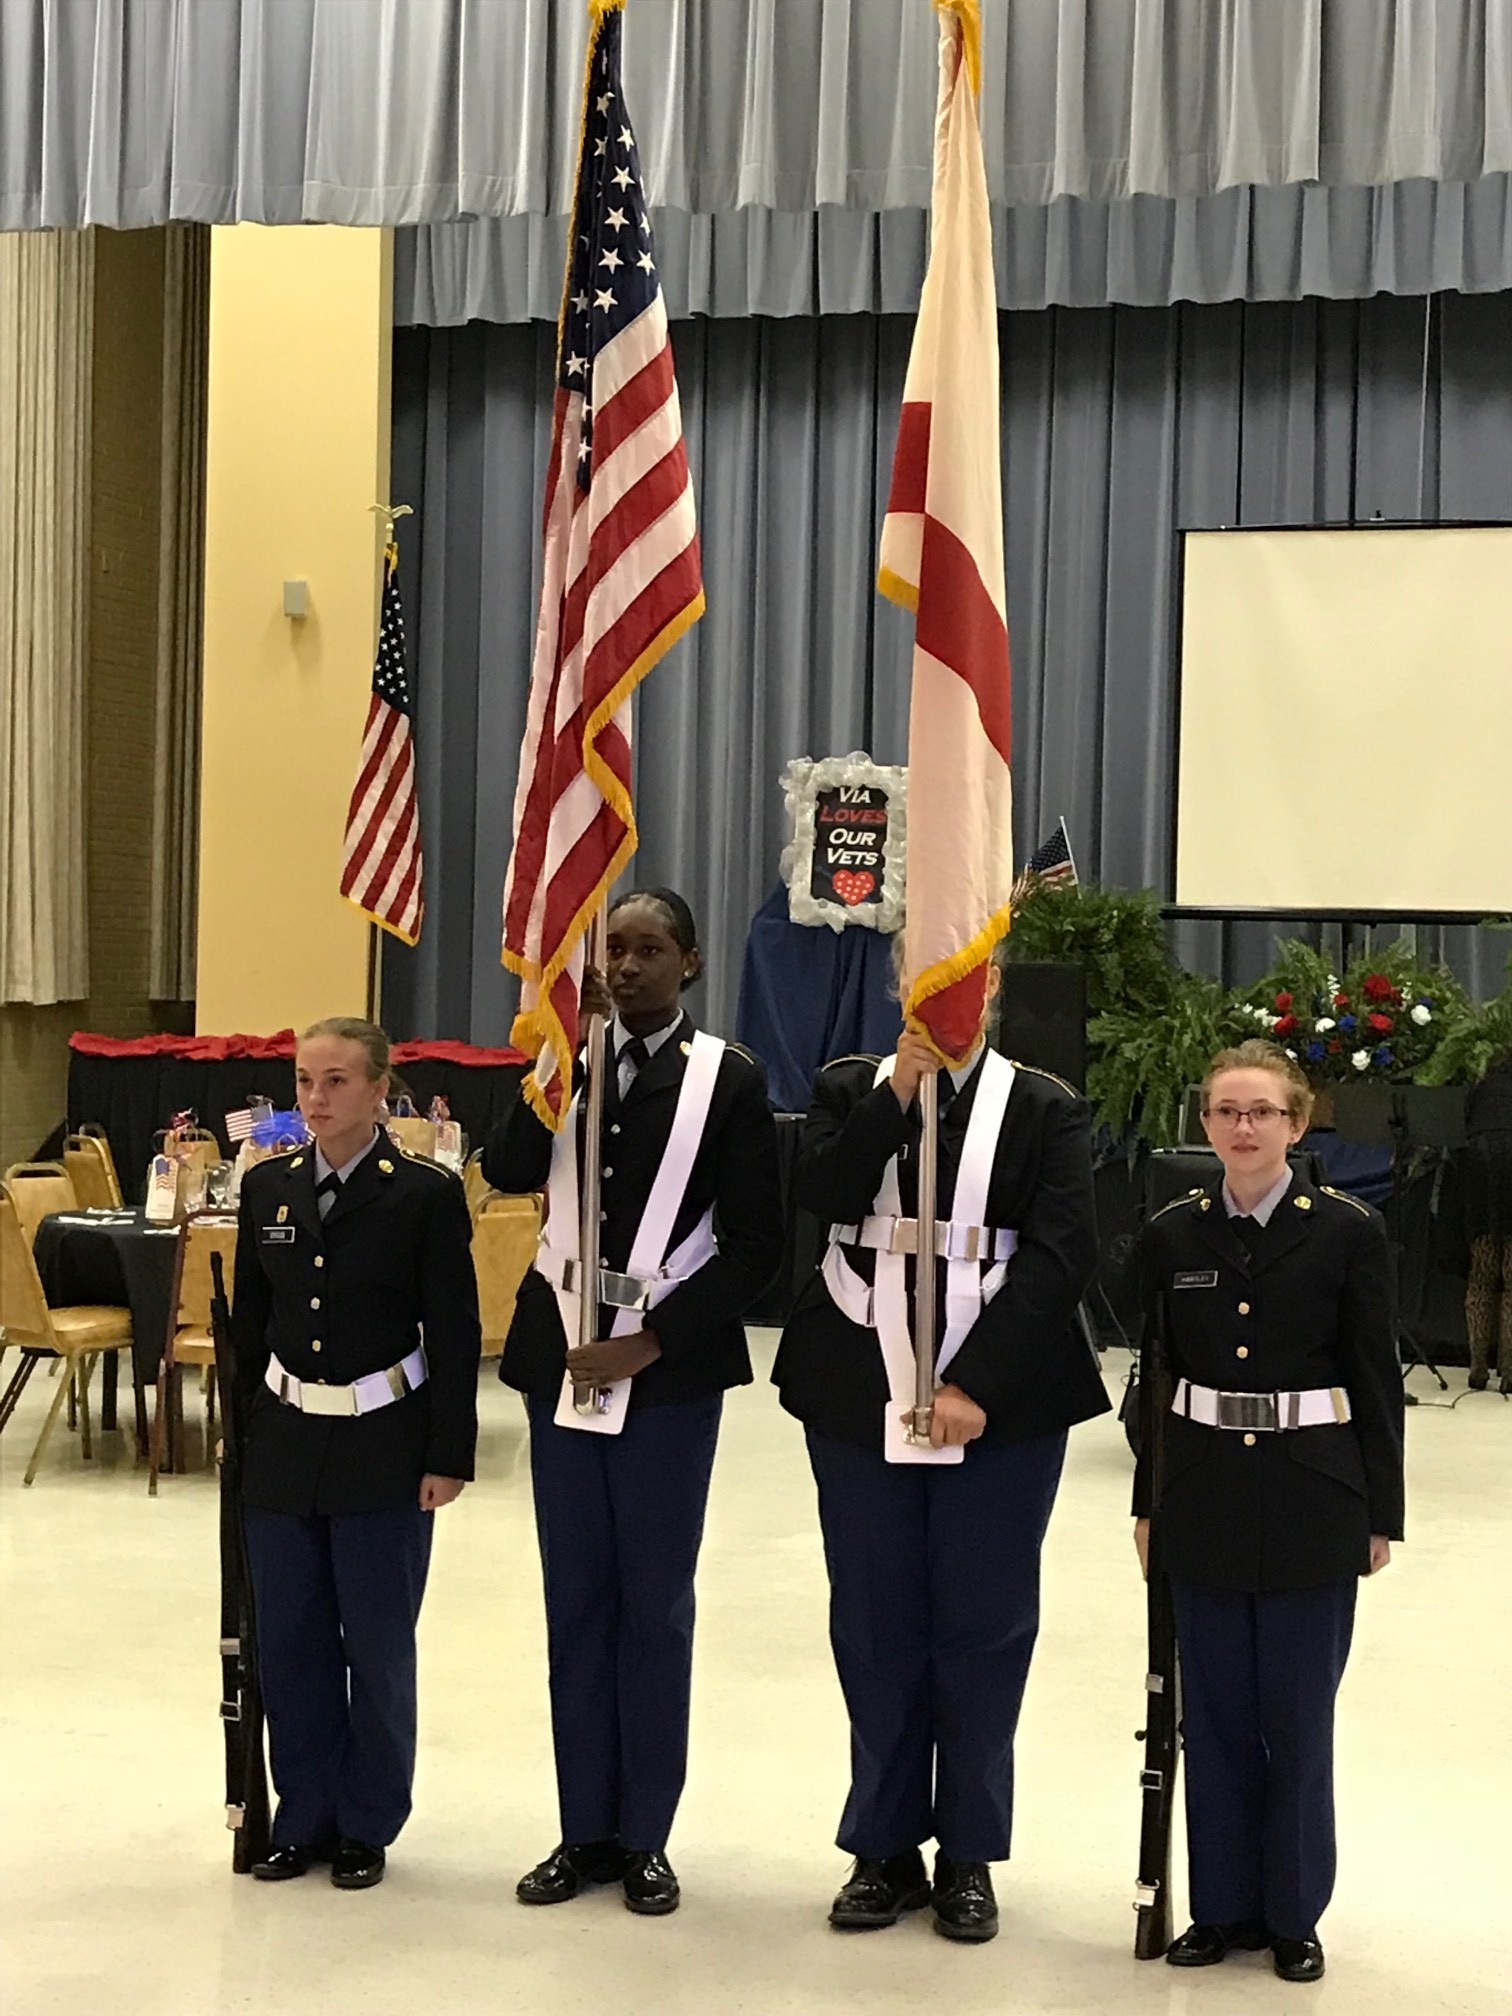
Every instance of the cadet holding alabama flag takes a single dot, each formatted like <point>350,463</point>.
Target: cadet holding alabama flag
<point>936,1396</point>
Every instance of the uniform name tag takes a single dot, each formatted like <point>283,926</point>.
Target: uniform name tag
<point>284,1235</point>
<point>1201,1279</point>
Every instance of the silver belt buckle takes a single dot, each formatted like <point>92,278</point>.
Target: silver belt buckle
<point>623,1291</point>
<point>905,1236</point>
<point>332,1400</point>
<point>964,1242</point>
<point>1253,1411</point>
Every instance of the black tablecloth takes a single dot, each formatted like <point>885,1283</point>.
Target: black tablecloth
<point>120,1261</point>
<point>133,1098</point>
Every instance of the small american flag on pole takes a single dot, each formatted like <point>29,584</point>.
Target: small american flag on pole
<point>621,582</point>
<point>380,856</point>
<point>1052,861</point>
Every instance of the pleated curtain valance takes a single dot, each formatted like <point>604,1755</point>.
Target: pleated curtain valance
<point>1241,245</point>
<point>136,112</point>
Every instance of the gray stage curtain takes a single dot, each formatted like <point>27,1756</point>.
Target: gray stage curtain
<point>1241,245</point>
<point>130,112</point>
<point>1121,426</point>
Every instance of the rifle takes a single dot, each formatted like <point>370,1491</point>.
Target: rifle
<point>241,1705</point>
<point>1161,1734</point>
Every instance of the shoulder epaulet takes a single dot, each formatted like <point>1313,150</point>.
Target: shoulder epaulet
<point>1344,1198</point>
<point>426,1161</point>
<point>855,1057</point>
<point>1176,1203</point>
<point>1040,1072</point>
<point>741,1051</point>
<point>284,1157</point>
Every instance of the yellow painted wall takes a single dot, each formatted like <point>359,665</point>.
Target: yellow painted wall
<point>298,449</point>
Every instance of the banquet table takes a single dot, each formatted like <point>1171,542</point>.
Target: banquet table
<point>118,1259</point>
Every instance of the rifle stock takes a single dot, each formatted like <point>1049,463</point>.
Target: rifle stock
<point>1161,1734</point>
<point>241,1707</point>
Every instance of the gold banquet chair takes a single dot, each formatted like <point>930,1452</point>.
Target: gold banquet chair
<point>74,1336</point>
<point>91,1130</point>
<point>91,1170</point>
<point>190,1340</point>
<point>504,1238</point>
<point>475,1185</point>
<point>38,1189</point>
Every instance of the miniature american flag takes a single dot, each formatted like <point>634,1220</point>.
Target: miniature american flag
<point>621,582</point>
<point>239,1124</point>
<point>380,858</point>
<point>1051,862</point>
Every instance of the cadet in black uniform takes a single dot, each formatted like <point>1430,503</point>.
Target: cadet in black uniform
<point>1281,1486</point>
<point>356,1323</point>
<point>620,1517</point>
<point>934,1570</point>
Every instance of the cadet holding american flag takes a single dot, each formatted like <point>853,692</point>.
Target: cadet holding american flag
<point>638,1155</point>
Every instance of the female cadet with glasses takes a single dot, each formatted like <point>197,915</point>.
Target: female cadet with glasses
<point>688,1138</point>
<point>1280,1486</point>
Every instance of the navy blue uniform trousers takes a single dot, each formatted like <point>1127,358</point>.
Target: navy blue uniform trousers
<point>934,1610</point>
<point>338,1596</point>
<point>620,1520</point>
<point>1259,1674</point>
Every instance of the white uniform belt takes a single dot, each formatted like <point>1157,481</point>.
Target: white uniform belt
<point>364,1396</point>
<point>1261,1413</point>
<point>631,1291</point>
<point>953,1241</point>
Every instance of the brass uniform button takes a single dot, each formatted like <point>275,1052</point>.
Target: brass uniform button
<point>314,1301</point>
<point>607,1174</point>
<point>320,1259</point>
<point>316,1346</point>
<point>1249,1441</point>
<point>1242,1352</point>
<point>1244,1308</point>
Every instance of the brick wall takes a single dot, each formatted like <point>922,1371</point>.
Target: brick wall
<point>123,576</point>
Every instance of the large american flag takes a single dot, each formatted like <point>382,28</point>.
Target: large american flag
<point>380,856</point>
<point>942,557</point>
<point>622,578</point>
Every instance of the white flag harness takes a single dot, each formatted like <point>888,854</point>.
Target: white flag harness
<point>651,1274</point>
<point>976,1258</point>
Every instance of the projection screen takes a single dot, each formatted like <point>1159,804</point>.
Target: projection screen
<point>1345,721</point>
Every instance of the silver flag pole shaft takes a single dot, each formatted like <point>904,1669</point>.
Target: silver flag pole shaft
<point>591,1399</point>
<point>924,1265</point>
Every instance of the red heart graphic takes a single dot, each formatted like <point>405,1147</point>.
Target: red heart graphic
<point>853,886</point>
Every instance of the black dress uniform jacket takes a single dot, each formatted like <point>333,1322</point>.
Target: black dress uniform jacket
<point>1313,1307</point>
<point>390,1264</point>
<point>1023,1360</point>
<point>698,1324</point>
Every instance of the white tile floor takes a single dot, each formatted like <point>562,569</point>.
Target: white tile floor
<point>115,1889</point>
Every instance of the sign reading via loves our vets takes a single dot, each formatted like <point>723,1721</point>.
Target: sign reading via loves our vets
<point>844,864</point>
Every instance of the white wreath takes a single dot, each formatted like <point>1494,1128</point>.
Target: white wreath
<point>803,781</point>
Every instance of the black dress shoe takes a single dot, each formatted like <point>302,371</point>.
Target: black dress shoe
<point>570,1868</point>
<point>1298,1959</point>
<point>650,1886</point>
<point>964,1906</point>
<point>280,1864</point>
<point>878,1891</point>
<point>1206,1945</point>
<point>355,1865</point>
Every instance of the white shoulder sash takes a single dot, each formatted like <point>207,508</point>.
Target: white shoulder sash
<point>649,1261</point>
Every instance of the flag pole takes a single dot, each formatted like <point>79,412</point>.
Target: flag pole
<point>924,1265</point>
<point>591,1400</point>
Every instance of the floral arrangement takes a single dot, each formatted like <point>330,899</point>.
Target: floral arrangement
<point>1383,1019</point>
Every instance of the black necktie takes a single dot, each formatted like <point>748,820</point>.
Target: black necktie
<point>1245,1229</point>
<point>636,1055</point>
<point>326,1191</point>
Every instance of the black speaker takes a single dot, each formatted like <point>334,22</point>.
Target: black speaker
<point>1042,1018</point>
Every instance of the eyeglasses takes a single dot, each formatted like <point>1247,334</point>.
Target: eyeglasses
<point>1262,1115</point>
